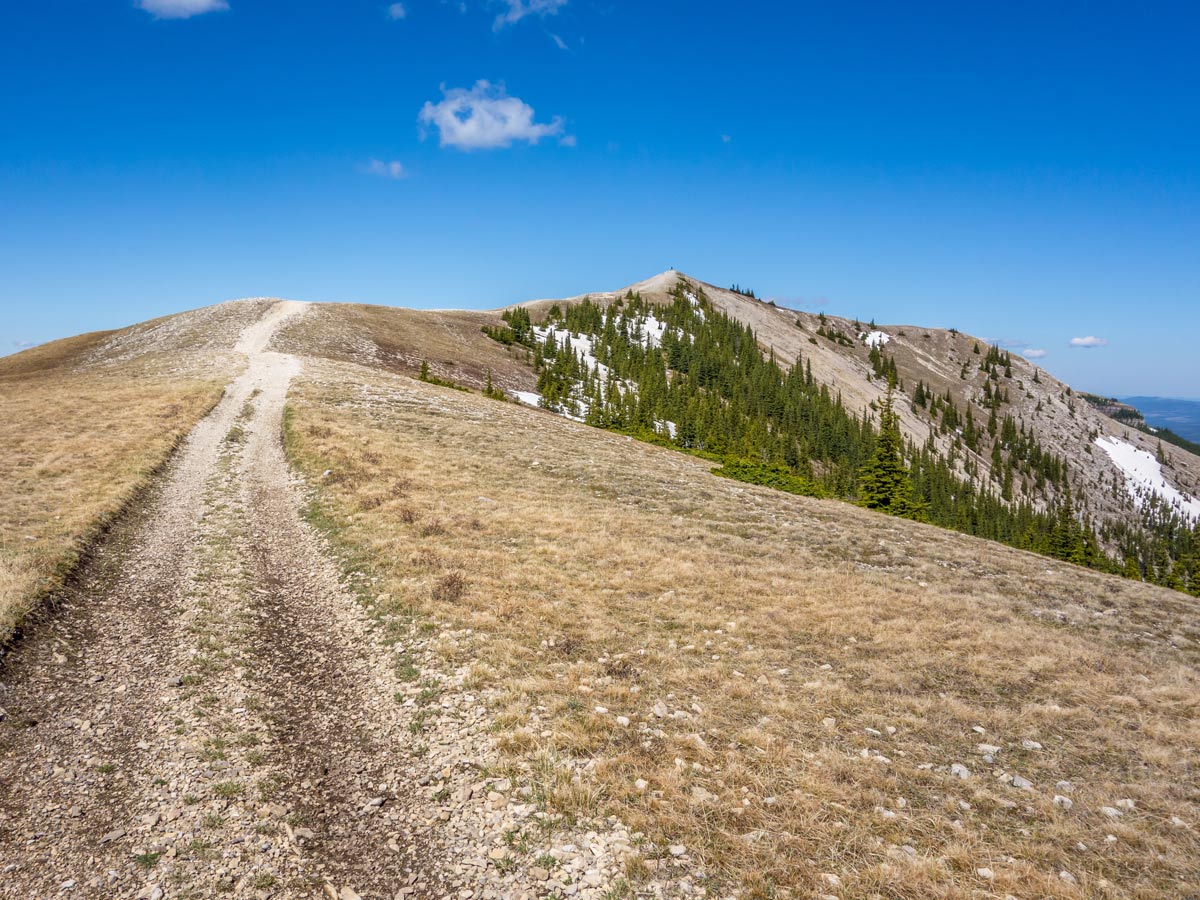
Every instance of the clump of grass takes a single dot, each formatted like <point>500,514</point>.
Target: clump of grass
<point>229,789</point>
<point>449,588</point>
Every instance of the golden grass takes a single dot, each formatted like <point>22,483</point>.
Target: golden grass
<point>399,340</point>
<point>75,447</point>
<point>600,572</point>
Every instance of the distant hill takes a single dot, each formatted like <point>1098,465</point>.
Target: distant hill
<point>1181,416</point>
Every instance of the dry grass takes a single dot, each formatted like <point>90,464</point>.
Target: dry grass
<point>77,445</point>
<point>399,340</point>
<point>598,572</point>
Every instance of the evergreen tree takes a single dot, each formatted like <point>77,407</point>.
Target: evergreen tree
<point>884,482</point>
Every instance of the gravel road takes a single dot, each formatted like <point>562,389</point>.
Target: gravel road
<point>208,713</point>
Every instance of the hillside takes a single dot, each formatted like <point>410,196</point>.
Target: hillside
<point>479,649</point>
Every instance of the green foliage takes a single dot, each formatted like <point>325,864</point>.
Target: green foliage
<point>778,477</point>
<point>709,389</point>
<point>425,376</point>
<point>884,483</point>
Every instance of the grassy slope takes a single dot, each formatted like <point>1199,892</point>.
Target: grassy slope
<point>77,446</point>
<point>601,572</point>
<point>398,340</point>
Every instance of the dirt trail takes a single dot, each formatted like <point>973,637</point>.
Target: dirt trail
<point>208,713</point>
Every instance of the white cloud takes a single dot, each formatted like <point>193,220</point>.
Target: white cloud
<point>725,139</point>
<point>396,12</point>
<point>394,169</point>
<point>1089,341</point>
<point>484,117</point>
<point>558,42</point>
<point>567,140</point>
<point>1033,354</point>
<point>181,9</point>
<point>519,9</point>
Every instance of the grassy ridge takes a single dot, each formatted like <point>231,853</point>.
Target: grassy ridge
<point>820,667</point>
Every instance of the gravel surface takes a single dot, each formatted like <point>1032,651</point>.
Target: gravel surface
<point>207,713</point>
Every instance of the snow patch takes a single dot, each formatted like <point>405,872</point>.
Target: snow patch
<point>1144,477</point>
<point>875,338</point>
<point>653,331</point>
<point>529,398</point>
<point>581,345</point>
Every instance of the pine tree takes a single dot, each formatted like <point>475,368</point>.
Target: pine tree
<point>883,482</point>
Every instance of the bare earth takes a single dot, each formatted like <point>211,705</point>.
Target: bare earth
<point>208,713</point>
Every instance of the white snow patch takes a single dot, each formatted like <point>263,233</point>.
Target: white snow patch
<point>653,331</point>
<point>529,398</point>
<point>671,428</point>
<point>581,346</point>
<point>875,338</point>
<point>1144,477</point>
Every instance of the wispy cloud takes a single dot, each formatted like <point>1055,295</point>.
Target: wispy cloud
<point>396,12</point>
<point>1089,341</point>
<point>1031,353</point>
<point>558,42</point>
<point>22,345</point>
<point>519,9</point>
<point>725,139</point>
<point>385,169</point>
<point>484,117</point>
<point>181,9</point>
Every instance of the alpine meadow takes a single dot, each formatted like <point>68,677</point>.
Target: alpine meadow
<point>854,555</point>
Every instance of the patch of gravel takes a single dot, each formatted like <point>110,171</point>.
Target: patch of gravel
<point>214,711</point>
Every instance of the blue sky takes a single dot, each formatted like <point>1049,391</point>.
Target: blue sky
<point>1026,172</point>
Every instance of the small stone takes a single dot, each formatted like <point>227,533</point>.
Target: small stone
<point>602,710</point>
<point>1023,783</point>
<point>641,785</point>
<point>537,873</point>
<point>1031,745</point>
<point>1125,804</point>
<point>660,710</point>
<point>958,770</point>
<point>831,879</point>
<point>1063,802</point>
<point>175,681</point>
<point>1111,812</point>
<point>1066,876</point>
<point>623,721</point>
<point>829,721</point>
<point>985,873</point>
<point>677,850</point>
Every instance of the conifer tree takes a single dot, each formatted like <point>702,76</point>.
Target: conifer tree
<point>884,482</point>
